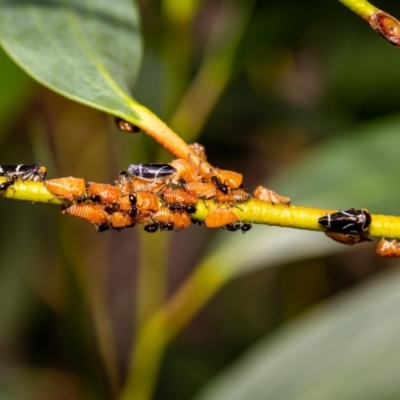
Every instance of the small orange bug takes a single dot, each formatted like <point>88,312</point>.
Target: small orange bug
<point>204,190</point>
<point>140,185</point>
<point>119,221</point>
<point>233,196</point>
<point>143,218</point>
<point>231,179</point>
<point>127,205</point>
<point>388,249</point>
<point>180,220</point>
<point>347,238</point>
<point>199,150</point>
<point>68,188</point>
<point>164,217</point>
<point>146,202</point>
<point>93,213</point>
<point>218,218</point>
<point>265,194</point>
<point>132,184</point>
<point>185,171</point>
<point>108,194</point>
<point>179,196</point>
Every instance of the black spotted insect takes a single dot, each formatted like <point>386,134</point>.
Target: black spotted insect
<point>152,171</point>
<point>25,172</point>
<point>350,221</point>
<point>34,172</point>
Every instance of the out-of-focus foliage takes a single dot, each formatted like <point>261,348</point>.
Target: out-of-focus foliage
<point>310,109</point>
<point>87,52</point>
<point>346,349</point>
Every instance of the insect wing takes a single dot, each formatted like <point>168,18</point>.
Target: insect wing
<point>350,221</point>
<point>34,172</point>
<point>151,171</point>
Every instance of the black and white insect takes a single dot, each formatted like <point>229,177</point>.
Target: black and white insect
<point>152,171</point>
<point>25,172</point>
<point>34,172</point>
<point>350,221</point>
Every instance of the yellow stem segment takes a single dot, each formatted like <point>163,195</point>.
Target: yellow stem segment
<point>253,211</point>
<point>361,7</point>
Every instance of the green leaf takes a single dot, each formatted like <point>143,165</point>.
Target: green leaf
<point>349,349</point>
<point>359,169</point>
<point>88,51</point>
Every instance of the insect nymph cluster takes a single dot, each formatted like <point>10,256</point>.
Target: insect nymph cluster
<point>158,196</point>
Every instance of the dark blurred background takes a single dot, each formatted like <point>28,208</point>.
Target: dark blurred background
<point>284,83</point>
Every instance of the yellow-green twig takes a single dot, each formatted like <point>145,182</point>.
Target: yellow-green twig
<point>253,211</point>
<point>29,191</point>
<point>361,7</point>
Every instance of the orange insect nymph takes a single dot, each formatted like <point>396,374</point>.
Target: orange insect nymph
<point>146,202</point>
<point>181,220</point>
<point>164,216</point>
<point>388,249</point>
<point>218,218</point>
<point>185,171</point>
<point>68,188</point>
<point>229,178</point>
<point>119,220</point>
<point>141,185</point>
<point>204,190</point>
<point>233,196</point>
<point>265,194</point>
<point>179,196</point>
<point>108,194</point>
<point>93,213</point>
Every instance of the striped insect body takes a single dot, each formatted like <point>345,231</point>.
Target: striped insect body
<point>25,172</point>
<point>220,218</point>
<point>152,171</point>
<point>350,221</point>
<point>68,188</point>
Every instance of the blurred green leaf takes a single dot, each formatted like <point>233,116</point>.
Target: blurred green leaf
<point>359,169</point>
<point>349,349</point>
<point>88,52</point>
<point>13,90</point>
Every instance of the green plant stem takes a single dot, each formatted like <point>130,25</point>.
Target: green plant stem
<point>30,191</point>
<point>155,332</point>
<point>253,211</point>
<point>208,278</point>
<point>164,135</point>
<point>361,7</point>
